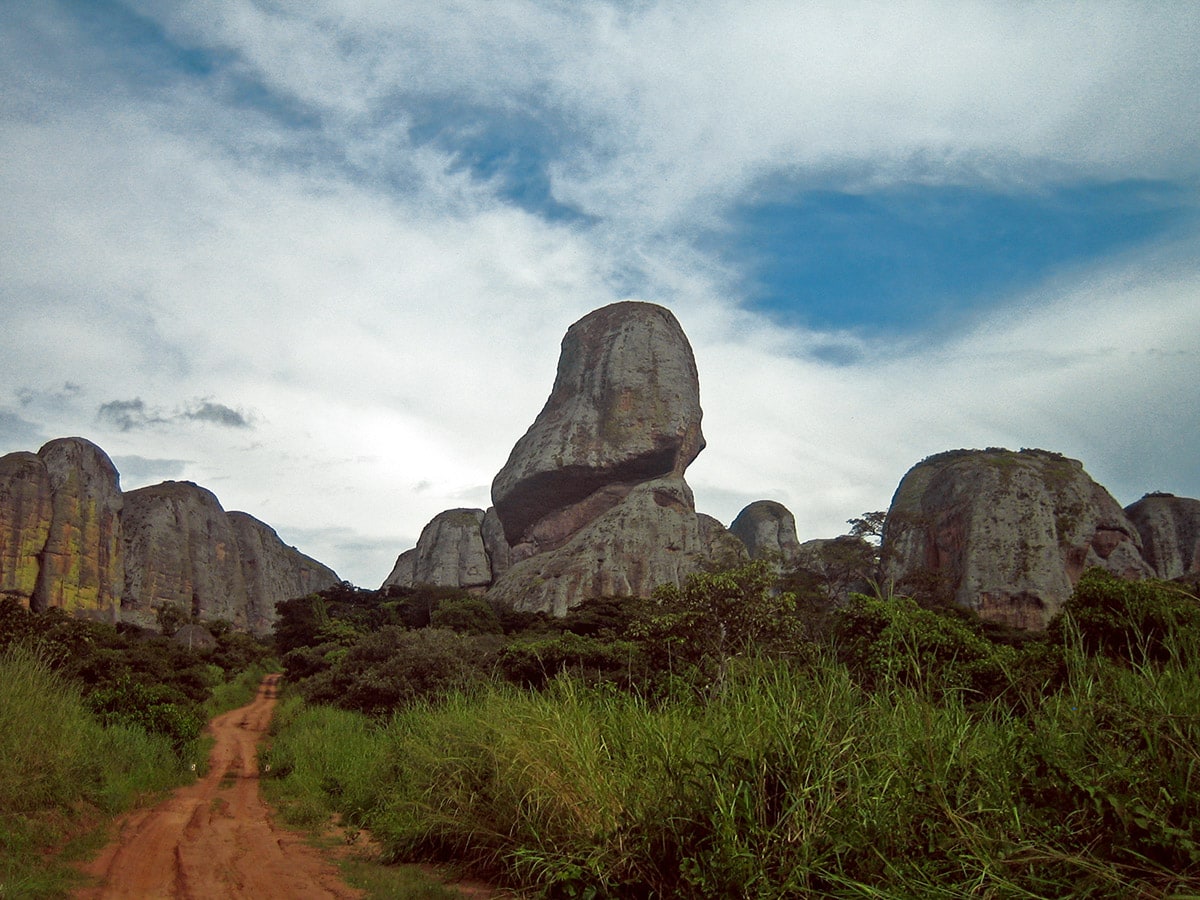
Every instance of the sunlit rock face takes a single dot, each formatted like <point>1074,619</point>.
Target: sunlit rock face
<point>449,553</point>
<point>25,511</point>
<point>592,500</point>
<point>80,566</point>
<point>1005,533</point>
<point>1170,531</point>
<point>768,529</point>
<point>272,571</point>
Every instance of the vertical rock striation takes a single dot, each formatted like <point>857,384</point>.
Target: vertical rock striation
<point>1170,531</point>
<point>450,552</point>
<point>25,511</point>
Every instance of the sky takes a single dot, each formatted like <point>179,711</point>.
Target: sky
<point>319,257</point>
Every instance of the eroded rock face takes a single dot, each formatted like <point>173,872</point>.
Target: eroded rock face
<point>450,552</point>
<point>272,571</point>
<point>1170,531</point>
<point>80,567</point>
<point>723,548</point>
<point>768,529</point>
<point>25,510</point>
<point>181,548</point>
<point>652,537</point>
<point>1005,533</point>
<point>624,410</point>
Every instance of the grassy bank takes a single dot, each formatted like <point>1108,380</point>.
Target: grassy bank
<point>62,770</point>
<point>792,781</point>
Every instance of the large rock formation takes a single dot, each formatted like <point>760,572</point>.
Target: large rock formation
<point>25,509</point>
<point>182,548</point>
<point>1170,531</point>
<point>768,529</point>
<point>1005,533</point>
<point>272,571</point>
<point>80,566</point>
<point>450,552</point>
<point>592,499</point>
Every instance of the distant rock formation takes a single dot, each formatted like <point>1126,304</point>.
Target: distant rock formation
<point>80,568</point>
<point>25,510</point>
<point>450,552</point>
<point>1005,533</point>
<point>182,548</point>
<point>593,500</point>
<point>273,571</point>
<point>1170,531</point>
<point>768,529</point>
<point>722,547</point>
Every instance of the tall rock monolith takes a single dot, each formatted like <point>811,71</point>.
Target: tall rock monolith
<point>1170,530</point>
<point>25,511</point>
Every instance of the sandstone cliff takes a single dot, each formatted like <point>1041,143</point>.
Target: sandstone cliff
<point>1005,533</point>
<point>80,566</point>
<point>1170,531</point>
<point>25,510</point>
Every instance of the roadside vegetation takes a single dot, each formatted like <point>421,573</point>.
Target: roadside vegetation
<point>729,739</point>
<point>95,719</point>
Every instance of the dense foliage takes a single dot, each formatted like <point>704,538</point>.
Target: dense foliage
<point>709,742</point>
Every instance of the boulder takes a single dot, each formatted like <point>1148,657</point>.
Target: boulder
<point>1005,533</point>
<point>450,553</point>
<point>1170,530</point>
<point>81,569</point>
<point>651,538</point>
<point>25,511</point>
<point>768,529</point>
<point>624,410</point>
<point>181,548</point>
<point>272,571</point>
<point>592,501</point>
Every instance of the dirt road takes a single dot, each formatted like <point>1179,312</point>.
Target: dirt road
<point>215,838</point>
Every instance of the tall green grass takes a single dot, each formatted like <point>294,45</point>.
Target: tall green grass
<point>789,783</point>
<point>58,766</point>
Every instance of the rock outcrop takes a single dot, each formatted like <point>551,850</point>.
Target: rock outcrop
<point>1005,533</point>
<point>722,547</point>
<point>450,552</point>
<point>25,510</point>
<point>768,529</point>
<point>181,548</point>
<point>593,500</point>
<point>80,567</point>
<point>1170,531</point>
<point>272,571</point>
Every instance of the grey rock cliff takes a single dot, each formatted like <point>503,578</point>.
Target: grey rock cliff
<point>1005,533</point>
<point>450,552</point>
<point>592,500</point>
<point>272,571</point>
<point>25,511</point>
<point>768,529</point>
<point>80,566</point>
<point>1170,531</point>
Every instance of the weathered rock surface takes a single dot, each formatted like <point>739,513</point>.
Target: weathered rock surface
<point>722,547</point>
<point>652,537</point>
<point>1170,531</point>
<point>495,543</point>
<point>1006,533</point>
<point>272,571</point>
<point>624,410</point>
<point>768,529</point>
<point>450,552</point>
<point>181,548</point>
<point>592,501</point>
<point>25,510</point>
<point>80,566</point>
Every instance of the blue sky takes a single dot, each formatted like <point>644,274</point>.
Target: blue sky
<point>319,258</point>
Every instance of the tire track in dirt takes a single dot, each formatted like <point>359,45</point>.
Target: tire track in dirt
<point>216,838</point>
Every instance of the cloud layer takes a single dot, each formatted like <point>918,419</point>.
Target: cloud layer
<point>320,259</point>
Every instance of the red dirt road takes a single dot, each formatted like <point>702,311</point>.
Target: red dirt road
<point>216,838</point>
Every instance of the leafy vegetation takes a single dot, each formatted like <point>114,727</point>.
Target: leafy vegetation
<point>93,719</point>
<point>707,743</point>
